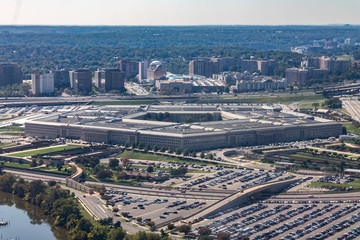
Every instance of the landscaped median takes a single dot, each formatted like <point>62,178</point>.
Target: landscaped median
<point>29,153</point>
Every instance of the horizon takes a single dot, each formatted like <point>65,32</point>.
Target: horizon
<point>178,12</point>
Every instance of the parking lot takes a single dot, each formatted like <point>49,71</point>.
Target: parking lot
<point>288,220</point>
<point>157,209</point>
<point>235,179</point>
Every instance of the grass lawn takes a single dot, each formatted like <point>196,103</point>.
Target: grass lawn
<point>141,156</point>
<point>7,144</point>
<point>351,128</point>
<point>346,57</point>
<point>355,185</point>
<point>124,102</point>
<point>13,128</point>
<point>18,165</point>
<point>290,98</point>
<point>44,151</point>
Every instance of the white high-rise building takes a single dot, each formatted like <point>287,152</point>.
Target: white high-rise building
<point>46,83</point>
<point>143,67</point>
<point>42,83</point>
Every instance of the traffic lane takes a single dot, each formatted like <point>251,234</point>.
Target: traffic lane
<point>164,193</point>
<point>36,176</point>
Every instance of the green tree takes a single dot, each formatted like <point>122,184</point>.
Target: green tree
<point>99,232</point>
<point>185,228</point>
<point>204,231</point>
<point>186,152</point>
<point>156,148</point>
<point>116,234</point>
<point>223,236</point>
<point>33,163</point>
<point>178,151</point>
<point>113,163</point>
<point>150,169</point>
<point>170,226</point>
<point>202,155</point>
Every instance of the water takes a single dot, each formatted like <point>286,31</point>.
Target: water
<point>26,221</point>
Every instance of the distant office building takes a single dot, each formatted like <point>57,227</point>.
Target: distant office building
<point>207,84</point>
<point>265,84</point>
<point>61,78</point>
<point>356,64</point>
<point>10,73</point>
<point>156,71</point>
<point>327,63</point>
<point>265,67</point>
<point>209,66</point>
<point>249,65</point>
<point>130,68</point>
<point>99,77</point>
<point>35,83</point>
<point>42,83</point>
<point>114,79</point>
<point>143,67</point>
<point>300,76</point>
<point>81,80</point>
<point>178,85</point>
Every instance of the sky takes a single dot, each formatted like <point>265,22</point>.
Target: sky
<point>179,12</point>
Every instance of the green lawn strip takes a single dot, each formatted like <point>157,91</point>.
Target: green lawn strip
<point>52,169</point>
<point>141,156</point>
<point>44,151</point>
<point>18,165</point>
<point>7,144</point>
<point>268,99</point>
<point>12,128</point>
<point>12,133</point>
<point>351,128</point>
<point>354,184</point>
<point>346,57</point>
<point>154,157</point>
<point>124,102</point>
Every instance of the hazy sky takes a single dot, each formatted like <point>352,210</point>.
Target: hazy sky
<point>179,12</point>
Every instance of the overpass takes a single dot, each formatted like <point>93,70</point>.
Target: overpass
<point>342,89</point>
<point>240,198</point>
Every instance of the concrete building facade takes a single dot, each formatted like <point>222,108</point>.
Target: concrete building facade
<point>10,73</point>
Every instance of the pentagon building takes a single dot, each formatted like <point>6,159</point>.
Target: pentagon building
<point>195,127</point>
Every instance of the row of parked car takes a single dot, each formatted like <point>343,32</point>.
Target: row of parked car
<point>238,228</point>
<point>337,228</point>
<point>321,222</point>
<point>352,234</point>
<point>206,179</point>
<point>301,220</point>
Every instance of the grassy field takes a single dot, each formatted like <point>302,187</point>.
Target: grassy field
<point>18,165</point>
<point>287,99</point>
<point>7,144</point>
<point>310,105</point>
<point>153,157</point>
<point>346,57</point>
<point>355,185</point>
<point>124,102</point>
<point>13,128</point>
<point>141,156</point>
<point>44,151</point>
<point>351,128</point>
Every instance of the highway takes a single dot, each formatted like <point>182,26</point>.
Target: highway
<point>201,195</point>
<point>353,107</point>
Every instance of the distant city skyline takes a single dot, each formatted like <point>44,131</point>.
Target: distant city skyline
<point>179,12</point>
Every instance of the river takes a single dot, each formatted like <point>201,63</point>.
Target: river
<point>26,221</point>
